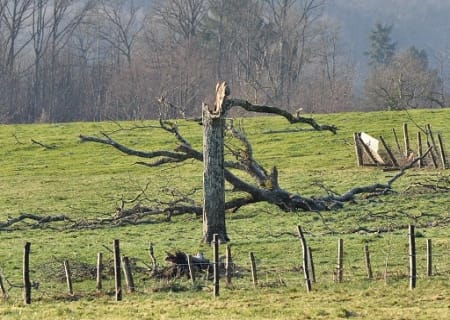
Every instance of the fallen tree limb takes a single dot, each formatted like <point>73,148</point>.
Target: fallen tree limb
<point>442,222</point>
<point>136,219</point>
<point>40,220</point>
<point>45,146</point>
<point>270,191</point>
<point>267,188</point>
<point>380,188</point>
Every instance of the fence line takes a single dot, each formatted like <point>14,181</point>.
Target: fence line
<point>287,270</point>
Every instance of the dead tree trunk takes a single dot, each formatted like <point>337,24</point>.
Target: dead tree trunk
<point>265,187</point>
<point>213,164</point>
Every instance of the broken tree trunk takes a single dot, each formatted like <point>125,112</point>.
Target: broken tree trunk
<point>265,187</point>
<point>213,167</point>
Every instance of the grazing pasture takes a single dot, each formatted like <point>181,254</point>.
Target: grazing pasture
<point>57,175</point>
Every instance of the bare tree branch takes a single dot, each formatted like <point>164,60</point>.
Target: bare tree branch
<point>168,155</point>
<point>274,110</point>
<point>378,187</point>
<point>267,188</point>
<point>40,220</point>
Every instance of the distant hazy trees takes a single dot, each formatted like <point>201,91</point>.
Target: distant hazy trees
<point>66,60</point>
<point>37,78</point>
<point>400,80</point>
<point>382,48</point>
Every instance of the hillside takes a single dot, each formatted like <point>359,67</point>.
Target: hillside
<point>86,182</point>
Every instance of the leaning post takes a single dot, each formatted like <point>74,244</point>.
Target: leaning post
<point>305,258</point>
<point>68,277</point>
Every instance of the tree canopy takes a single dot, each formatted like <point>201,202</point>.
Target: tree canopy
<point>382,48</point>
<point>405,82</point>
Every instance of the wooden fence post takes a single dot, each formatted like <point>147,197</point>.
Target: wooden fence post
<point>340,261</point>
<point>254,274</point>
<point>216,264</point>
<point>430,132</point>
<point>386,265</point>
<point>191,269</point>
<point>99,271</point>
<point>151,253</point>
<point>368,263</point>
<point>396,141</point>
<point>431,142</point>
<point>312,275</point>
<point>442,151</point>
<point>412,258</point>
<point>432,155</point>
<point>26,274</point>
<point>390,154</point>
<point>128,274</point>
<point>228,265</point>
<point>419,149</point>
<point>429,258</point>
<point>68,277</point>
<point>2,287</point>
<point>406,139</point>
<point>305,258</point>
<point>117,271</point>
<point>358,150</point>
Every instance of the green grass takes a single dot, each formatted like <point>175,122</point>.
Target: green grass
<point>87,181</point>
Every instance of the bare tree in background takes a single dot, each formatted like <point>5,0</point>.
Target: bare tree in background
<point>442,58</point>
<point>183,17</point>
<point>328,79</point>
<point>65,18</point>
<point>120,23</point>
<point>406,82</point>
<point>180,47</point>
<point>40,37</point>
<point>15,14</point>
<point>292,22</point>
<point>3,76</point>
<point>238,40</point>
<point>83,60</point>
<point>268,47</point>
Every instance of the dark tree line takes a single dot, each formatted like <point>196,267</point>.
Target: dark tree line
<point>65,60</point>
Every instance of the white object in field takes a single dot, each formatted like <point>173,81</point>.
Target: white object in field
<point>373,145</point>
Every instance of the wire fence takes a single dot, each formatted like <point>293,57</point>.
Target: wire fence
<point>389,263</point>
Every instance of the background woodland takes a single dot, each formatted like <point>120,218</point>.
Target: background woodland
<point>63,60</point>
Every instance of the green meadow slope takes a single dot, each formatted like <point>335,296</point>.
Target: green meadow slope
<point>86,181</point>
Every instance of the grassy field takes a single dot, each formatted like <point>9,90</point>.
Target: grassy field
<point>86,181</point>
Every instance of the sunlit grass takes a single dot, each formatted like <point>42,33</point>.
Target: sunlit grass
<point>374,302</point>
<point>88,181</point>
